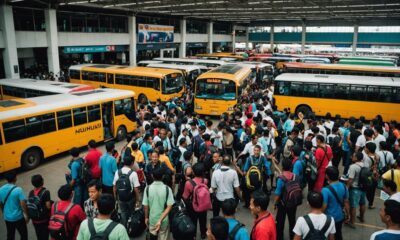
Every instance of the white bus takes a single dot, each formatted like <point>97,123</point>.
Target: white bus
<point>191,72</point>
<point>28,88</point>
<point>145,63</point>
<point>210,64</point>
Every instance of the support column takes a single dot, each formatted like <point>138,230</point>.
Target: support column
<point>210,37</point>
<point>247,38</point>
<point>233,38</point>
<point>355,40</point>
<point>53,57</point>
<point>271,39</point>
<point>10,54</point>
<point>132,40</point>
<point>182,48</point>
<point>303,38</point>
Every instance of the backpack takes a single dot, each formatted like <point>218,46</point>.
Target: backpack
<point>136,225</point>
<point>197,141</point>
<point>206,157</point>
<point>292,195</point>
<point>386,167</point>
<point>254,175</point>
<point>334,143</point>
<point>58,225</point>
<point>235,230</point>
<point>35,206</point>
<point>100,235</point>
<point>85,173</point>
<point>174,155</point>
<point>182,226</point>
<point>80,170</point>
<point>315,234</point>
<point>311,169</point>
<point>123,186</point>
<point>365,180</point>
<point>201,197</point>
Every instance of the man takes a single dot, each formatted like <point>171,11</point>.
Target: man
<point>335,141</point>
<point>236,229</point>
<point>41,223</point>
<point>346,150</point>
<point>92,159</point>
<point>336,199</point>
<point>289,124</point>
<point>390,188</point>
<point>316,220</point>
<point>249,147</point>
<point>390,216</point>
<point>13,206</point>
<point>290,142</point>
<point>157,201</point>
<point>218,229</point>
<point>394,174</point>
<point>386,159</point>
<point>73,212</point>
<point>356,195</point>
<point>298,165</point>
<point>138,155</point>
<point>90,205</point>
<point>108,167</point>
<point>183,148</point>
<point>323,156</point>
<point>223,183</point>
<point>164,139</point>
<point>154,164</point>
<point>264,226</point>
<point>363,139</point>
<point>128,196</point>
<point>102,223</point>
<point>371,161</point>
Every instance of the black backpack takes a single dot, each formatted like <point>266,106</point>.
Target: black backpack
<point>315,234</point>
<point>334,143</point>
<point>174,155</point>
<point>35,206</point>
<point>365,180</point>
<point>197,141</point>
<point>136,225</point>
<point>387,164</point>
<point>292,195</point>
<point>235,230</point>
<point>100,235</point>
<point>86,174</point>
<point>182,226</point>
<point>124,187</point>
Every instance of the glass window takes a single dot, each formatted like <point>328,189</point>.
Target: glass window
<point>110,78</point>
<point>33,126</point>
<point>94,113</point>
<point>222,28</point>
<point>80,116</point>
<point>216,89</point>
<point>156,84</point>
<point>141,81</point>
<point>64,21</point>
<point>14,130</point>
<point>1,139</point>
<point>119,79</point>
<point>64,119</point>
<point>38,16</point>
<point>296,89</point>
<point>310,90</point>
<point>23,19</point>
<point>102,77</point>
<point>342,91</point>
<point>125,106</point>
<point>149,82</point>
<point>372,93</point>
<point>385,94</point>
<point>78,22</point>
<point>119,24</point>
<point>327,90</point>
<point>74,74</point>
<point>357,92</point>
<point>396,95</point>
<point>105,23</point>
<point>49,122</point>
<point>92,21</point>
<point>196,27</point>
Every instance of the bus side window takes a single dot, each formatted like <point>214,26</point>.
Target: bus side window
<point>156,84</point>
<point>396,95</point>
<point>118,107</point>
<point>110,78</point>
<point>373,93</point>
<point>40,124</point>
<point>342,91</point>
<point>64,119</point>
<point>14,130</point>
<point>1,138</point>
<point>386,94</point>
<point>94,113</point>
<point>358,92</point>
<point>102,77</point>
<point>326,90</point>
<point>79,116</point>
<point>296,89</point>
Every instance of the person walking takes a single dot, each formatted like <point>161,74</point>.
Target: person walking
<point>39,198</point>
<point>264,226</point>
<point>108,167</point>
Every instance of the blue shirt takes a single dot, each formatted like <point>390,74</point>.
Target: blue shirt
<point>280,185</point>
<point>298,169</point>
<point>288,126</point>
<point>12,211</point>
<point>386,235</point>
<point>265,163</point>
<point>74,167</point>
<point>108,166</point>
<point>333,208</point>
<point>345,144</point>
<point>144,149</point>
<point>242,233</point>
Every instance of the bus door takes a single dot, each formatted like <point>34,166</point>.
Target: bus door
<point>107,112</point>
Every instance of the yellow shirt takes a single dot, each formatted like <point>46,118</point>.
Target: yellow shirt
<point>396,177</point>
<point>138,155</point>
<point>165,159</point>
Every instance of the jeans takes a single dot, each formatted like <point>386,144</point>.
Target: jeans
<point>202,218</point>
<point>126,209</point>
<point>346,155</point>
<point>216,206</point>
<point>20,225</point>
<point>338,234</point>
<point>42,230</point>
<point>336,158</point>
<point>280,221</point>
<point>371,193</point>
<point>78,195</point>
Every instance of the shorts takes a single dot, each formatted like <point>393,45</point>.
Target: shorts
<point>357,197</point>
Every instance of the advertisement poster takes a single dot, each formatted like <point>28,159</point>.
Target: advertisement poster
<point>148,33</point>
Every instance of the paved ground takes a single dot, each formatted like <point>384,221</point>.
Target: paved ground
<point>54,169</point>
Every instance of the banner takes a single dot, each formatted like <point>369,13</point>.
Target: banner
<point>148,33</point>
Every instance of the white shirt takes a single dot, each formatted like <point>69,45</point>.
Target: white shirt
<point>318,220</point>
<point>133,178</point>
<point>322,130</point>
<point>306,132</point>
<point>361,141</point>
<point>385,157</point>
<point>218,140</point>
<point>329,124</point>
<point>210,132</point>
<point>249,148</point>
<point>224,181</point>
<point>395,197</point>
<point>183,150</point>
<point>188,141</point>
<point>367,160</point>
<point>379,139</point>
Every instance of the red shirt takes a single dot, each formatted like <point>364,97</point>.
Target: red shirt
<point>264,228</point>
<point>92,160</point>
<point>322,157</point>
<point>74,218</point>
<point>189,187</point>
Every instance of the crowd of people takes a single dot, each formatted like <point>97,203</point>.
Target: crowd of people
<point>179,165</point>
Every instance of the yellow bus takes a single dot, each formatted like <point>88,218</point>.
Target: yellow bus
<point>149,84</point>
<point>342,69</point>
<point>225,56</point>
<point>36,128</point>
<point>218,90</point>
<point>28,88</point>
<point>348,96</point>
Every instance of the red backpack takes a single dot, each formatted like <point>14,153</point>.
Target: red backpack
<point>58,226</point>
<point>201,198</point>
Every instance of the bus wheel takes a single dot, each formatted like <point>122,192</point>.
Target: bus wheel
<point>306,110</point>
<point>142,98</point>
<point>121,133</point>
<point>31,159</point>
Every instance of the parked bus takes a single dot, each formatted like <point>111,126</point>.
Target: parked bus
<point>278,62</point>
<point>260,71</point>
<point>342,69</point>
<point>145,63</point>
<point>338,94</point>
<point>230,57</point>
<point>37,128</point>
<point>210,64</point>
<point>191,72</point>
<point>149,84</point>
<point>372,58</point>
<point>218,90</point>
<point>366,62</point>
<point>28,88</point>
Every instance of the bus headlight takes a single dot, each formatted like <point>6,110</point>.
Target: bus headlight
<point>198,107</point>
<point>230,108</point>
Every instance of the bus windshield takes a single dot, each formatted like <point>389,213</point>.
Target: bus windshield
<point>216,89</point>
<point>173,83</point>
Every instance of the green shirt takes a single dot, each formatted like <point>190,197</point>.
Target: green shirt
<point>118,233</point>
<point>156,201</point>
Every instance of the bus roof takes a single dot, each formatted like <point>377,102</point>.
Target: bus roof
<point>341,79</point>
<point>38,105</point>
<point>372,58</point>
<point>190,60</point>
<point>343,67</point>
<point>366,62</point>
<point>228,71</point>
<point>187,68</point>
<point>220,55</point>
<point>257,64</point>
<point>44,85</point>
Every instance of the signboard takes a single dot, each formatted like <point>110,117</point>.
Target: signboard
<point>148,33</point>
<point>90,49</point>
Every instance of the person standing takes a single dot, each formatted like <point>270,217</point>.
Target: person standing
<point>237,230</point>
<point>108,167</point>
<point>323,156</point>
<point>13,206</point>
<point>44,206</point>
<point>90,205</point>
<point>92,159</point>
<point>356,194</point>
<point>218,229</point>
<point>75,178</point>
<point>394,175</point>
<point>390,216</point>
<point>264,226</point>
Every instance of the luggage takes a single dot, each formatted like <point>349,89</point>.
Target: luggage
<point>136,225</point>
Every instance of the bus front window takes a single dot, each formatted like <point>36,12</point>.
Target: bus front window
<point>216,89</point>
<point>126,107</point>
<point>173,83</point>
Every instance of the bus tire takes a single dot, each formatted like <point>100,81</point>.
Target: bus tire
<point>305,109</point>
<point>31,158</point>
<point>142,98</point>
<point>121,133</point>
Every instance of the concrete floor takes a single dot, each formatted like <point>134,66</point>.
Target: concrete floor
<point>53,171</point>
